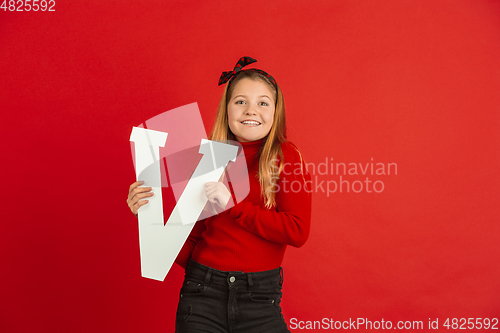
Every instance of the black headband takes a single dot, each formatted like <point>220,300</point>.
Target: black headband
<point>242,62</point>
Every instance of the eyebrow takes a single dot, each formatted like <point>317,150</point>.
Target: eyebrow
<point>258,96</point>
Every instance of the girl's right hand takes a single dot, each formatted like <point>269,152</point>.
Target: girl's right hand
<point>135,193</point>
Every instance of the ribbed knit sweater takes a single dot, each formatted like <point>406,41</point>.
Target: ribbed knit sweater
<point>248,237</point>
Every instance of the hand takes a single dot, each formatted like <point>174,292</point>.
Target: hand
<point>135,193</point>
<point>218,193</point>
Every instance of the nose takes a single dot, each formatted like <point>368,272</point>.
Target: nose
<point>250,110</point>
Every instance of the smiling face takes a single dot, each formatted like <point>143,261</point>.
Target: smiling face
<point>250,110</point>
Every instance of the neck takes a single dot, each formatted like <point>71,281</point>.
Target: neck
<point>250,143</point>
<point>251,148</point>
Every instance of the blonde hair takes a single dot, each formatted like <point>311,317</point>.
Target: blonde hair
<point>271,148</point>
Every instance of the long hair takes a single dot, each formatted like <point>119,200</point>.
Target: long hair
<point>271,148</point>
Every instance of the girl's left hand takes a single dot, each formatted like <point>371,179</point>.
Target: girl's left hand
<point>218,193</point>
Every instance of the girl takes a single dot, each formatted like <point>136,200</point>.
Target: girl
<point>232,260</point>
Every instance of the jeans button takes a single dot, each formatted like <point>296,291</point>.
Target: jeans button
<point>232,279</point>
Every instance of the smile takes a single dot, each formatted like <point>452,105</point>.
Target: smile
<point>251,123</point>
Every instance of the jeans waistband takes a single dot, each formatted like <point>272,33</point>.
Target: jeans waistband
<point>209,275</point>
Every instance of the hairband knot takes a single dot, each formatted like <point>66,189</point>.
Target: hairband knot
<point>242,62</point>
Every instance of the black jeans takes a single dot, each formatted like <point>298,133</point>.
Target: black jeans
<point>231,302</point>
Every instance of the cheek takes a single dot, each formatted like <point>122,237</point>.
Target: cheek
<point>231,116</point>
<point>232,126</point>
<point>268,118</point>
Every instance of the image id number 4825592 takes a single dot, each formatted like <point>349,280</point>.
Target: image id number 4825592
<point>28,5</point>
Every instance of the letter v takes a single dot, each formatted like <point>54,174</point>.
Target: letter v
<point>160,244</point>
<point>366,168</point>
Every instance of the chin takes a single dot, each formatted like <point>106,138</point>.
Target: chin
<point>248,138</point>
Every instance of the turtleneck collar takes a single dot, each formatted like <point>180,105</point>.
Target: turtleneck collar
<point>252,147</point>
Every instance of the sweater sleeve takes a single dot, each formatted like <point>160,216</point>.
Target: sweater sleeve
<point>193,238</point>
<point>289,222</point>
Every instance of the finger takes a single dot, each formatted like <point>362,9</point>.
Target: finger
<point>219,187</point>
<point>135,185</point>
<point>217,184</point>
<point>212,194</point>
<point>132,202</point>
<point>138,190</point>
<point>140,196</point>
<point>210,189</point>
<point>142,189</point>
<point>142,203</point>
<point>135,208</point>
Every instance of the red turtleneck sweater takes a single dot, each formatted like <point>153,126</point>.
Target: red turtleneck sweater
<point>249,237</point>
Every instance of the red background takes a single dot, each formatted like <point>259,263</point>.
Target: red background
<point>409,82</point>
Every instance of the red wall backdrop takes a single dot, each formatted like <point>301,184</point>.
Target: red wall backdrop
<point>411,82</point>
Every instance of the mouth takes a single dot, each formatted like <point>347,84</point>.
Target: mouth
<point>250,123</point>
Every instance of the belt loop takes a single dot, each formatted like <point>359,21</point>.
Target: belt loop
<point>209,274</point>
<point>281,274</point>
<point>250,281</point>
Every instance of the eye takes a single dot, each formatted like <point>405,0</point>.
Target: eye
<point>239,102</point>
<point>263,103</point>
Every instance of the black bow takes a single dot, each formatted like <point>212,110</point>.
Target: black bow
<point>242,62</point>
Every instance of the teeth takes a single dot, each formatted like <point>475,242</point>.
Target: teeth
<point>250,122</point>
